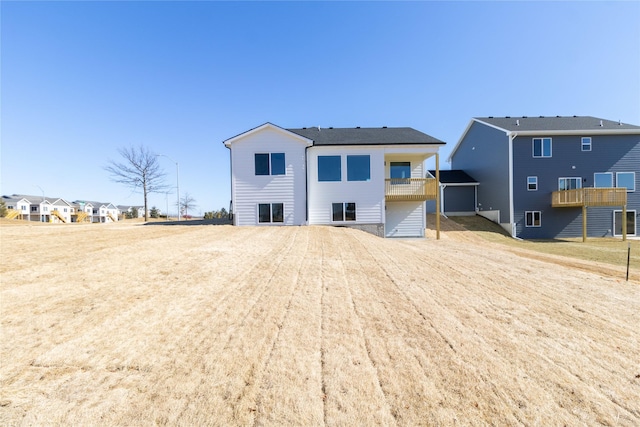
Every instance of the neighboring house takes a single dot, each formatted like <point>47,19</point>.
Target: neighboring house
<point>367,178</point>
<point>542,177</point>
<point>83,211</point>
<point>125,209</point>
<point>103,212</point>
<point>18,207</point>
<point>43,209</point>
<point>458,193</point>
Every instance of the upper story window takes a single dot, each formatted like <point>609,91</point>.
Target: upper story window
<point>269,164</point>
<point>400,170</point>
<point>603,179</point>
<point>586,143</point>
<point>532,183</point>
<point>329,168</point>
<point>34,209</point>
<point>24,208</point>
<point>569,183</point>
<point>626,179</point>
<point>359,168</point>
<point>541,147</point>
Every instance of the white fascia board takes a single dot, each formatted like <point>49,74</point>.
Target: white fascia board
<point>268,125</point>
<point>471,122</point>
<point>579,132</point>
<point>461,184</point>
<point>417,149</point>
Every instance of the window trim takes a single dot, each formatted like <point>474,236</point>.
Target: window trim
<point>533,217</point>
<point>577,179</point>
<point>542,140</point>
<point>344,212</point>
<point>629,190</point>
<point>584,143</point>
<point>532,180</point>
<point>602,173</point>
<point>270,171</point>
<point>271,210</point>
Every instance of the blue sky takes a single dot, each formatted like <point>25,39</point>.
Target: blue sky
<point>81,79</point>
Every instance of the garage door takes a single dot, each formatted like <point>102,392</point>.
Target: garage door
<point>405,219</point>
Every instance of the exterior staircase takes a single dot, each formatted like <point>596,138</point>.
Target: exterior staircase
<point>12,214</point>
<point>112,218</point>
<point>81,216</point>
<point>58,215</point>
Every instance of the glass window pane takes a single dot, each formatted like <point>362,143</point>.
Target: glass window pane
<point>537,147</point>
<point>350,212</point>
<point>264,212</point>
<point>358,168</point>
<point>262,164</point>
<point>603,180</point>
<point>329,168</point>
<point>532,183</point>
<point>546,151</point>
<point>400,170</point>
<point>277,164</point>
<point>536,219</point>
<point>278,212</point>
<point>337,214</point>
<point>626,179</point>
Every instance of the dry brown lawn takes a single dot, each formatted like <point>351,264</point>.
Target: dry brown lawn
<point>217,325</point>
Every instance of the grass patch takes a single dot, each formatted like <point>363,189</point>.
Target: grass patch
<point>598,249</point>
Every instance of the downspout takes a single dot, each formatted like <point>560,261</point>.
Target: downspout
<point>442,187</point>
<point>306,185</point>
<point>231,214</point>
<point>512,136</point>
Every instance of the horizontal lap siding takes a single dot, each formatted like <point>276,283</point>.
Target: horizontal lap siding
<point>617,153</point>
<point>368,195</point>
<point>405,219</point>
<point>250,190</point>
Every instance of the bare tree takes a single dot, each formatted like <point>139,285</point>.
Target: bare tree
<point>187,202</point>
<point>139,169</point>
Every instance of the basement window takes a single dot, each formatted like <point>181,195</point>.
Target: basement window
<point>533,218</point>
<point>343,212</point>
<point>270,212</point>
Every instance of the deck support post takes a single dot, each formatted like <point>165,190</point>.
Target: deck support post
<point>437,197</point>
<point>624,222</point>
<point>584,223</point>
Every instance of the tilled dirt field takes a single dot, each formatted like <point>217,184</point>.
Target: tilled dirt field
<point>219,325</point>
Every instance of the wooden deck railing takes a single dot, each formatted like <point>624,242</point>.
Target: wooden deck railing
<point>408,189</point>
<point>589,197</point>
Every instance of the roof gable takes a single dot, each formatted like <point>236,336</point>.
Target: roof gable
<point>266,126</point>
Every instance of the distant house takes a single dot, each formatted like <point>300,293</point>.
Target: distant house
<point>128,209</point>
<point>39,208</point>
<point>458,193</point>
<point>18,207</point>
<point>367,178</point>
<point>542,177</point>
<point>103,212</point>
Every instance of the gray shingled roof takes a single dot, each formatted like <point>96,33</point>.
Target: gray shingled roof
<point>455,176</point>
<point>557,123</point>
<point>365,136</point>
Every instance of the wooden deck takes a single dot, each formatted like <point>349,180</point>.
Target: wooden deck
<point>409,189</point>
<point>589,197</point>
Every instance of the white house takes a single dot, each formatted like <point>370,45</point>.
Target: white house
<point>367,178</point>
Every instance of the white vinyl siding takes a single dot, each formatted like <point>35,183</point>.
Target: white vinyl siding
<point>249,189</point>
<point>367,195</point>
<point>405,219</point>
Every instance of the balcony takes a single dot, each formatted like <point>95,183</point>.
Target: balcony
<point>589,197</point>
<point>410,189</point>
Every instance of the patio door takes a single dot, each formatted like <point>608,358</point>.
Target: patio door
<point>617,223</point>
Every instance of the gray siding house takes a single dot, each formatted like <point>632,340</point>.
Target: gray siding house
<point>554,177</point>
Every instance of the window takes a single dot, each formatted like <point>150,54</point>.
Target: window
<point>532,218</point>
<point>532,183</point>
<point>569,183</point>
<point>358,168</point>
<point>617,223</point>
<point>541,147</point>
<point>34,209</point>
<point>329,168</point>
<point>586,143</point>
<point>269,164</point>
<point>270,212</point>
<point>626,179</point>
<point>23,207</point>
<point>603,180</point>
<point>45,209</point>
<point>343,211</point>
<point>400,170</point>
